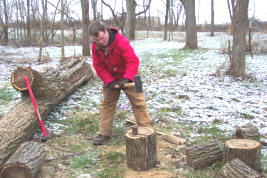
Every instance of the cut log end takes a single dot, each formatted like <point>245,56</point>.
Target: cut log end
<point>242,144</point>
<point>17,78</point>
<point>18,170</point>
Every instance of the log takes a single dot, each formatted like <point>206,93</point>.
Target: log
<point>171,138</point>
<point>49,88</point>
<point>248,151</point>
<point>248,131</point>
<point>25,162</point>
<point>202,155</point>
<point>237,169</point>
<point>141,149</point>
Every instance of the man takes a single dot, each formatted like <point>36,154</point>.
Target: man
<point>115,62</point>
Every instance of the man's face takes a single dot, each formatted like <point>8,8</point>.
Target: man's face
<point>102,38</point>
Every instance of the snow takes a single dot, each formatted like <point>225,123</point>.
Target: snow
<point>186,89</point>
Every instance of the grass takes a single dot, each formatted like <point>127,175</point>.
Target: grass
<point>6,94</point>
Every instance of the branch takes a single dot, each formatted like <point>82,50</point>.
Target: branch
<point>145,9</point>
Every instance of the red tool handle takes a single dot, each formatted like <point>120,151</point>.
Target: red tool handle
<point>35,105</point>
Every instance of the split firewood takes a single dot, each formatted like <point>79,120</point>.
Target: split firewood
<point>248,151</point>
<point>248,131</point>
<point>237,169</point>
<point>25,162</point>
<point>201,155</point>
<point>141,148</point>
<point>49,88</point>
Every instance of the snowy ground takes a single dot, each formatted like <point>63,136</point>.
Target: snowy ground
<point>175,81</point>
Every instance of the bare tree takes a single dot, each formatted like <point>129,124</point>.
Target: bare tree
<point>41,41</point>
<point>240,24</point>
<point>190,24</point>
<point>212,19</point>
<point>166,19</point>
<point>94,6</point>
<point>6,23</point>
<point>62,30</point>
<point>28,22</point>
<point>131,17</point>
<point>85,24</point>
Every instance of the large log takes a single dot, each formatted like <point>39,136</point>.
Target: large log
<point>141,148</point>
<point>25,162</point>
<point>248,151</point>
<point>237,169</point>
<point>49,88</point>
<point>248,131</point>
<point>200,155</point>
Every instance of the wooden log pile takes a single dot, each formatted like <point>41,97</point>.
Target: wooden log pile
<point>49,88</point>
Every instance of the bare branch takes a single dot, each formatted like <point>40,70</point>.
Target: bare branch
<point>145,9</point>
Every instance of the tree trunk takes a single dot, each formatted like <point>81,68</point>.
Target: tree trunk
<point>240,20</point>
<point>28,23</point>
<point>141,148</point>
<point>237,169</point>
<point>62,30</point>
<point>94,7</point>
<point>212,19</point>
<point>246,150</point>
<point>166,19</point>
<point>41,40</point>
<point>6,24</point>
<point>49,89</point>
<point>85,22</point>
<point>248,131</point>
<point>199,156</point>
<point>25,162</point>
<point>190,24</point>
<point>131,20</point>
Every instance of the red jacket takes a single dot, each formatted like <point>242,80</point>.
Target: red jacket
<point>119,62</point>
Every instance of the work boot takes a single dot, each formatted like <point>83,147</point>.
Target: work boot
<point>100,139</point>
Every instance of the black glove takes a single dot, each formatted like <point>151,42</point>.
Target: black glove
<point>111,85</point>
<point>122,82</point>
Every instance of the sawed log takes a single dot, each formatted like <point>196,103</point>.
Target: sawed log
<point>248,131</point>
<point>49,88</point>
<point>237,169</point>
<point>25,162</point>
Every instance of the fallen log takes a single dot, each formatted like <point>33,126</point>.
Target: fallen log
<point>248,151</point>
<point>25,162</point>
<point>49,88</point>
<point>237,169</point>
<point>201,155</point>
<point>141,148</point>
<point>248,131</point>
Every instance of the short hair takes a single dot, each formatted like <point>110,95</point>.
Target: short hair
<point>95,27</point>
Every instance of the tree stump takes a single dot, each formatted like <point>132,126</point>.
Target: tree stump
<point>248,131</point>
<point>199,156</point>
<point>25,162</point>
<point>237,169</point>
<point>141,149</point>
<point>248,151</point>
<point>49,88</point>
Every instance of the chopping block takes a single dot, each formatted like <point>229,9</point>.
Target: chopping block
<point>141,148</point>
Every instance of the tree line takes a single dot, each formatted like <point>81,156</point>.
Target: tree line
<point>29,23</point>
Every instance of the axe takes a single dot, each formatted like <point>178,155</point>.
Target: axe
<point>137,84</point>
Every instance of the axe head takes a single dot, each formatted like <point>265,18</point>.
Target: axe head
<point>138,84</point>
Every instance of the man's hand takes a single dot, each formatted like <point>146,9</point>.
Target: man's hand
<point>122,82</point>
<point>111,85</point>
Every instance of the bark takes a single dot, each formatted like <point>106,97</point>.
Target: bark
<point>130,20</point>
<point>85,24</point>
<point>141,149</point>
<point>31,155</point>
<point>6,24</point>
<point>62,30</point>
<point>237,169</point>
<point>212,18</point>
<point>49,89</point>
<point>28,23</point>
<point>248,151</point>
<point>239,22</point>
<point>166,19</point>
<point>248,131</point>
<point>199,156</point>
<point>190,24</point>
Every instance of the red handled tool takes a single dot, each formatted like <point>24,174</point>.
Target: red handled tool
<point>35,105</point>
